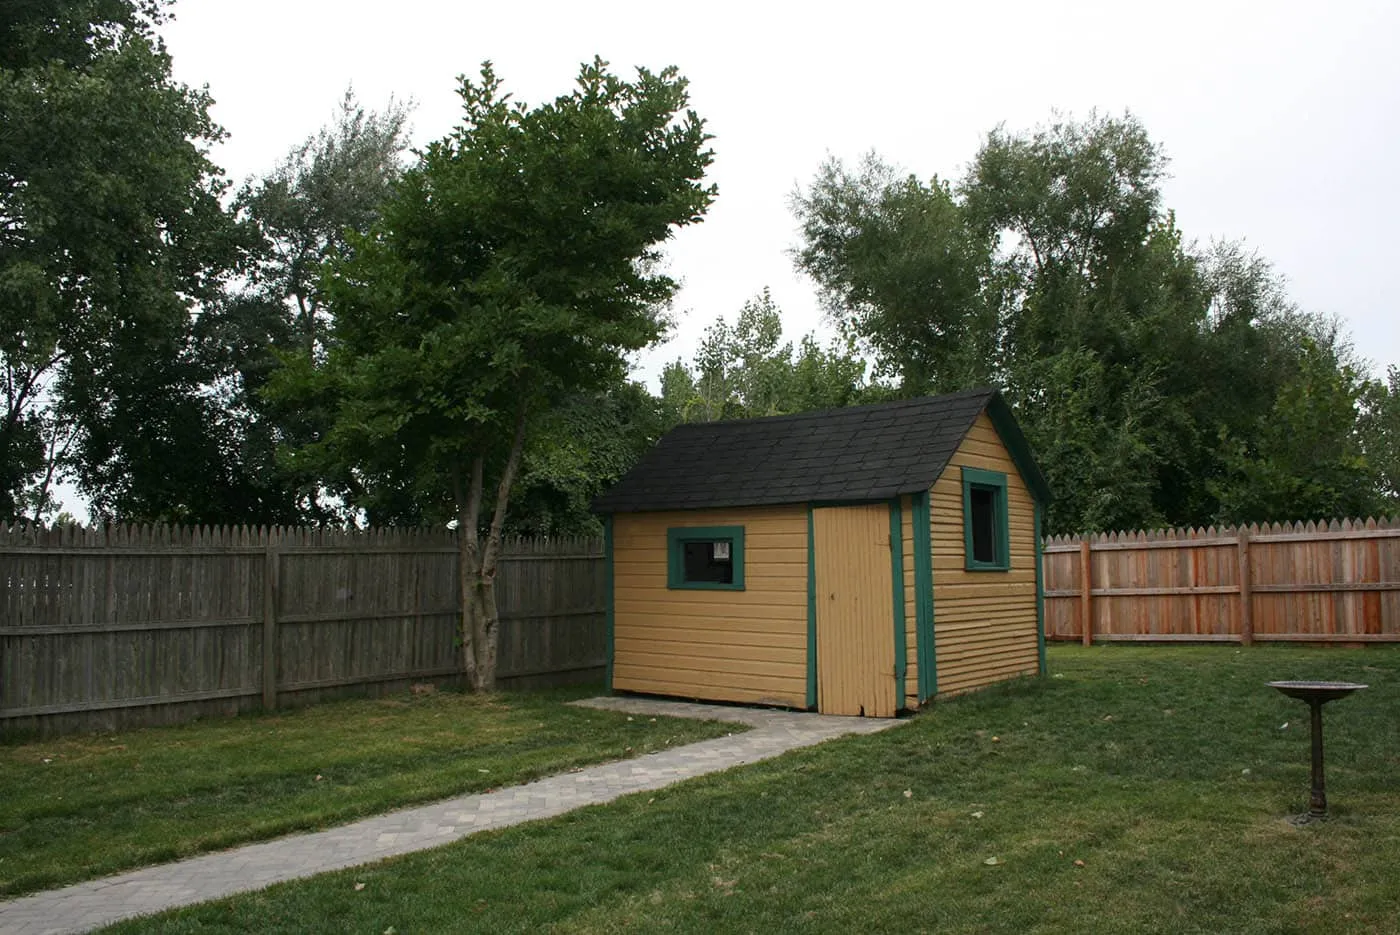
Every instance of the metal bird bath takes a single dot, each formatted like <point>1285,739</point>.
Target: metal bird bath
<point>1316,694</point>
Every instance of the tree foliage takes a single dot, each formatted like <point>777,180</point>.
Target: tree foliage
<point>902,270</point>
<point>1380,434</point>
<point>513,269</point>
<point>331,184</point>
<point>746,370</point>
<point>299,215</point>
<point>579,449</point>
<point>1159,383</point>
<point>107,242</point>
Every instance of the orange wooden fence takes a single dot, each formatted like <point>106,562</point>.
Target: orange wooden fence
<point>1335,582</point>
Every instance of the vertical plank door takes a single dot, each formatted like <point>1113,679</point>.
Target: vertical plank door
<point>855,611</point>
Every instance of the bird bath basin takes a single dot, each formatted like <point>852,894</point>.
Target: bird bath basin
<point>1315,695</point>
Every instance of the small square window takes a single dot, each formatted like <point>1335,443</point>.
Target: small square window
<point>704,557</point>
<point>986,537</point>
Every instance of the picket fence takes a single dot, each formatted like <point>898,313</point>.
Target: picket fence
<point>123,626</point>
<point>1335,582</point>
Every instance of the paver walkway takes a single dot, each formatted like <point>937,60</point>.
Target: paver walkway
<point>86,906</point>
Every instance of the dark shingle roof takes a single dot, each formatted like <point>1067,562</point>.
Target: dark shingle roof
<point>859,453</point>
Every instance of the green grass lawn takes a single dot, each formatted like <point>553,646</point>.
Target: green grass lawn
<point>83,807</point>
<point>1139,789</point>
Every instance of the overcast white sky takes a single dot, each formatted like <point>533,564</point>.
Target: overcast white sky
<point>1280,119</point>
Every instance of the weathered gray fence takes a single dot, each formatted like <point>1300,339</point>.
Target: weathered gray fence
<point>125,625</point>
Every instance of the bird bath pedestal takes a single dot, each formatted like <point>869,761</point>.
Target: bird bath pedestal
<point>1316,694</point>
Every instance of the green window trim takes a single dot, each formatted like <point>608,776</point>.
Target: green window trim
<point>678,536</point>
<point>995,483</point>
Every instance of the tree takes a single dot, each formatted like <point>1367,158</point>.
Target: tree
<point>902,271</point>
<point>328,185</point>
<point>577,450</point>
<point>301,211</point>
<point>744,371</point>
<point>1380,434</point>
<point>513,268</point>
<point>1158,383</point>
<point>1304,460</point>
<point>106,244</point>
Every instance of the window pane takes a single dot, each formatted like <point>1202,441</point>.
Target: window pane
<point>984,525</point>
<point>701,565</point>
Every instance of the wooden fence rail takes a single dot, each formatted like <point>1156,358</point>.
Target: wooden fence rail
<point>132,625</point>
<point>1336,582</point>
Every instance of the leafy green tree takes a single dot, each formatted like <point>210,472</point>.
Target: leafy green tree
<point>745,371</point>
<point>1158,383</point>
<point>1305,459</point>
<point>903,272</point>
<point>579,449</point>
<point>1380,435</point>
<point>512,270</point>
<point>327,186</point>
<point>330,184</point>
<point>107,242</point>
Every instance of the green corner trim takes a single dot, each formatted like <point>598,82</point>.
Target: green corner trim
<point>923,599</point>
<point>1016,445</point>
<point>677,536</point>
<point>897,590</point>
<point>811,611</point>
<point>996,482</point>
<point>608,589</point>
<point>1039,593</point>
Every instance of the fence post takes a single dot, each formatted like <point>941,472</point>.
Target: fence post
<point>1246,590</point>
<point>272,567</point>
<point>1086,582</point>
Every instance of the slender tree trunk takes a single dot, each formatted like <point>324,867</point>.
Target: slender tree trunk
<point>41,502</point>
<point>480,626</point>
<point>490,619</point>
<point>469,564</point>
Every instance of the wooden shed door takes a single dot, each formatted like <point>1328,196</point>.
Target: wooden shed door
<point>855,610</point>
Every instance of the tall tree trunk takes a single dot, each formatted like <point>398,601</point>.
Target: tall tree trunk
<point>490,616</point>
<point>469,564</point>
<point>480,626</point>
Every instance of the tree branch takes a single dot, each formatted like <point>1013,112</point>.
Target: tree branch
<point>498,520</point>
<point>17,398</point>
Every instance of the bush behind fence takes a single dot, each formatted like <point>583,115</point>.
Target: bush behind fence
<point>128,625</point>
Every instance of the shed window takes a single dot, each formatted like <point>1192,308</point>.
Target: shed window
<point>705,557</point>
<point>986,537</point>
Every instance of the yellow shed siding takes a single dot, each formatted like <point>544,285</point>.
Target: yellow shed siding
<point>743,646</point>
<point>985,625</point>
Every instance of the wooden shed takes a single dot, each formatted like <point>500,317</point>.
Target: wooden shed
<point>853,561</point>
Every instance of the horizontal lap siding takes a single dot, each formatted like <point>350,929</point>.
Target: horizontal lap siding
<point>984,622</point>
<point>745,646</point>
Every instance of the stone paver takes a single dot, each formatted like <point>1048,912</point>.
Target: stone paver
<point>86,906</point>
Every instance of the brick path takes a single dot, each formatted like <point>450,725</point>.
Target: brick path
<point>86,906</point>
